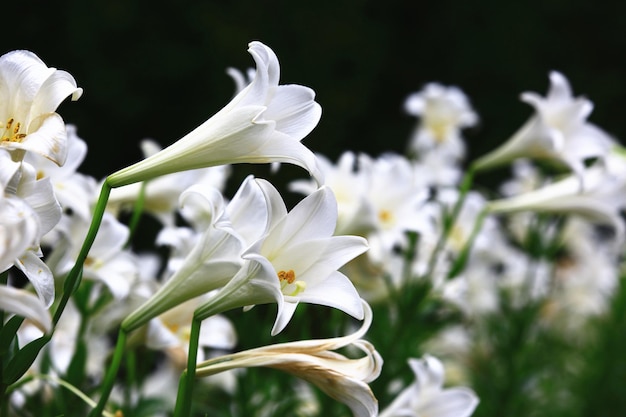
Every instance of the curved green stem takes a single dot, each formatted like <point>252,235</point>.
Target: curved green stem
<point>74,276</point>
<point>183,402</point>
<point>109,378</point>
<point>449,220</point>
<point>137,210</point>
<point>72,389</point>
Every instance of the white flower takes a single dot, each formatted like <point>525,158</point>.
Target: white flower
<point>297,260</point>
<point>30,209</point>
<point>30,93</point>
<point>341,378</point>
<point>107,262</point>
<point>443,112</point>
<point>600,200</point>
<point>73,190</point>
<point>350,184</point>
<point>558,130</point>
<point>25,304</point>
<point>264,123</point>
<point>215,257</point>
<point>162,193</point>
<point>427,397</point>
<point>170,332</point>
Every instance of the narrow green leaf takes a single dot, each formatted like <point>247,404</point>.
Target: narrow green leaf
<point>23,359</point>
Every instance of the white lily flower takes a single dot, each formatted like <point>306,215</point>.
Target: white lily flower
<point>170,332</point>
<point>215,258</point>
<point>341,378</point>
<point>107,262</point>
<point>264,123</point>
<point>18,230</point>
<point>25,304</point>
<point>350,184</point>
<point>443,112</point>
<point>600,200</point>
<point>558,130</point>
<point>30,93</point>
<point>296,261</point>
<point>427,397</point>
<point>31,210</point>
<point>161,194</point>
<point>72,189</point>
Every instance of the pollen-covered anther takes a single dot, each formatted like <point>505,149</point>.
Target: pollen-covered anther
<point>12,132</point>
<point>289,276</point>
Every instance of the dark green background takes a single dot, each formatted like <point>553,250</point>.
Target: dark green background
<point>156,68</point>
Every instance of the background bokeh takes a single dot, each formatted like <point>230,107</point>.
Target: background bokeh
<point>156,68</point>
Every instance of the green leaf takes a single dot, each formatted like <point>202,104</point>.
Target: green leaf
<point>8,333</point>
<point>76,369</point>
<point>23,359</point>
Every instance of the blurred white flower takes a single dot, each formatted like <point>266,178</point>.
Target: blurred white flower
<point>558,130</point>
<point>600,200</point>
<point>443,112</point>
<point>350,184</point>
<point>342,378</point>
<point>427,397</point>
<point>30,93</point>
<point>25,304</point>
<point>264,123</point>
<point>107,262</point>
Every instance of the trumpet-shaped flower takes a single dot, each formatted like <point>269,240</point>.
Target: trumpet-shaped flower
<point>297,260</point>
<point>341,378</point>
<point>263,123</point>
<point>443,112</point>
<point>215,257</point>
<point>30,93</point>
<point>600,200</point>
<point>427,397</point>
<point>558,130</point>
<point>161,194</point>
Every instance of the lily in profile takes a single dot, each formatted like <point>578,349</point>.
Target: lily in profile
<point>558,131</point>
<point>601,199</point>
<point>263,123</point>
<point>315,361</point>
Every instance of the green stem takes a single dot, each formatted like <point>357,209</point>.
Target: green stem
<point>137,211</point>
<point>448,221</point>
<point>461,260</point>
<point>53,379</point>
<point>183,402</point>
<point>109,378</point>
<point>74,276</point>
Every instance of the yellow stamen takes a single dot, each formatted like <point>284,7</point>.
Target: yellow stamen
<point>288,276</point>
<point>385,216</point>
<point>12,133</point>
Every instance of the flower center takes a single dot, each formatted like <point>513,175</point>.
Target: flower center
<point>12,131</point>
<point>288,283</point>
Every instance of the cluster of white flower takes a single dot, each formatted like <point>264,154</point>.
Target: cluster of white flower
<point>366,228</point>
